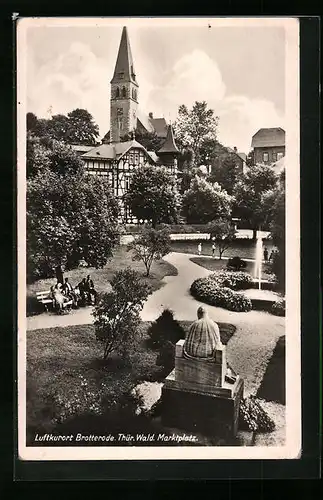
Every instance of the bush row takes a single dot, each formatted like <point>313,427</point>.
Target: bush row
<point>211,291</point>
<point>278,307</point>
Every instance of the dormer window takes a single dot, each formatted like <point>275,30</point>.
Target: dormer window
<point>124,92</point>
<point>121,75</point>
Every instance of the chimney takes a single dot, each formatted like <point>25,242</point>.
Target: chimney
<point>151,116</point>
<point>235,149</point>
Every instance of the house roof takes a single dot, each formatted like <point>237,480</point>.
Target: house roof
<point>241,155</point>
<point>124,68</point>
<point>169,145</point>
<point>114,151</point>
<point>268,137</point>
<point>81,148</point>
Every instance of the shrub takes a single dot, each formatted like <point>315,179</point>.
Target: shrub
<point>165,329</point>
<point>236,264</point>
<point>166,357</point>
<point>252,417</point>
<point>278,307</point>
<point>234,280</point>
<point>116,315</point>
<point>211,291</point>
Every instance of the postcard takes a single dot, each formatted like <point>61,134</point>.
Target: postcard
<point>158,238</point>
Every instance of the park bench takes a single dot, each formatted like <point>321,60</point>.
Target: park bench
<point>44,298</point>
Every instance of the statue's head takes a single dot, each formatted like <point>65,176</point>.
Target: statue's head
<point>201,312</point>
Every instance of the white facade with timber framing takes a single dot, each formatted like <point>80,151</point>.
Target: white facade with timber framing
<point>117,160</point>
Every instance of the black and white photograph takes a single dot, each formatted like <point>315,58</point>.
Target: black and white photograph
<point>158,238</point>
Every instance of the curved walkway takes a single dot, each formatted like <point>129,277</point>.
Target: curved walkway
<point>248,351</point>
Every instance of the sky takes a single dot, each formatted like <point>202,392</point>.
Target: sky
<point>238,70</point>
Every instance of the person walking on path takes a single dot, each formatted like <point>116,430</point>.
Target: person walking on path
<point>213,249</point>
<point>199,248</point>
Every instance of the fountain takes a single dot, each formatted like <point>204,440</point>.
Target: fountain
<point>261,295</point>
<point>258,261</point>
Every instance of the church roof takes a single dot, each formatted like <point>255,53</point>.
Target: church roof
<point>124,69</point>
<point>160,126</point>
<point>169,145</point>
<point>114,151</point>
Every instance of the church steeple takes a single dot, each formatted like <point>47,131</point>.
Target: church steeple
<point>124,93</point>
<point>124,70</point>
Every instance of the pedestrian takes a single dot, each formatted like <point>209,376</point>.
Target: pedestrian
<point>199,248</point>
<point>265,254</point>
<point>213,250</point>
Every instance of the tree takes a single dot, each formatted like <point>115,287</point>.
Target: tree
<point>248,194</point>
<point>45,153</point>
<point>69,218</point>
<point>204,202</point>
<point>153,195</point>
<point>78,127</point>
<point>194,127</point>
<point>277,229</point>
<point>81,127</point>
<point>117,317</point>
<point>150,245</point>
<point>38,156</point>
<point>225,172</point>
<point>222,233</point>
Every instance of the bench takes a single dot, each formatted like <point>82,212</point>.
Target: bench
<point>45,299</point>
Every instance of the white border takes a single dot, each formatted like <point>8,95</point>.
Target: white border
<point>292,448</point>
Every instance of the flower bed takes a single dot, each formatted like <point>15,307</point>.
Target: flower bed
<point>212,291</point>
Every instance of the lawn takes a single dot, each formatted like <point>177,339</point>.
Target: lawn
<point>66,374</point>
<point>102,277</point>
<point>219,265</point>
<point>244,248</point>
<point>272,387</point>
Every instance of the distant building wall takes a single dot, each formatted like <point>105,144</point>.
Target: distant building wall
<point>268,155</point>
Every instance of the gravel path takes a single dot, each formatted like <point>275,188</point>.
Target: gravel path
<point>248,351</point>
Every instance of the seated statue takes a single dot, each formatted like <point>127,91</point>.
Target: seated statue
<point>203,338</point>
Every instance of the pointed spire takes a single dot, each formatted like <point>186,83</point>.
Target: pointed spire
<point>169,145</point>
<point>124,69</point>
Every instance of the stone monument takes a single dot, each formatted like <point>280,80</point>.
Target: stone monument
<point>202,393</point>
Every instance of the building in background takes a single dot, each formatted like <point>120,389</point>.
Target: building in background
<point>116,159</point>
<point>268,146</point>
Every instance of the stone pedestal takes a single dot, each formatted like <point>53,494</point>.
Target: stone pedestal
<point>198,396</point>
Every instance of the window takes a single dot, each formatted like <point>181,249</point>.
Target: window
<point>136,158</point>
<point>124,92</point>
<point>130,158</point>
<point>280,155</point>
<point>265,157</point>
<point>121,74</point>
<point>274,156</point>
<point>117,92</point>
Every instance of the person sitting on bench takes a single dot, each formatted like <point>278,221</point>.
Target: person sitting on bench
<point>59,299</point>
<point>82,286</point>
<point>69,292</point>
<point>90,289</point>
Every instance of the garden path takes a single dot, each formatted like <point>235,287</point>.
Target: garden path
<point>248,351</point>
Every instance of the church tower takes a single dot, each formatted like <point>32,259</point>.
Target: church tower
<point>124,93</point>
